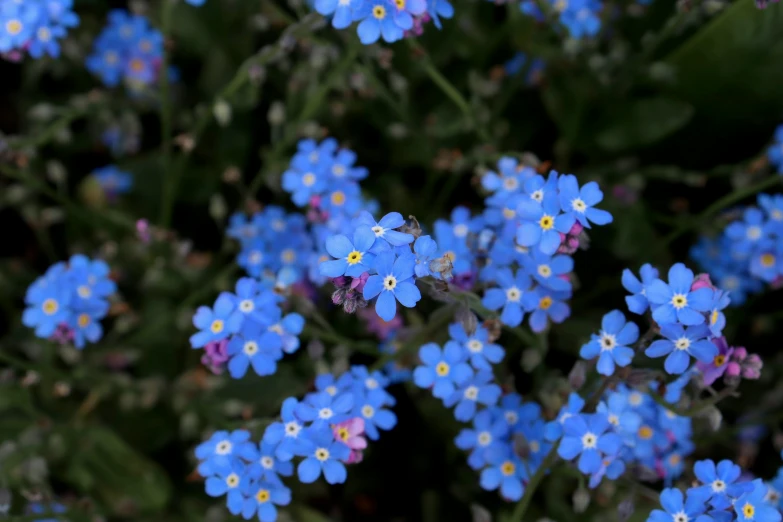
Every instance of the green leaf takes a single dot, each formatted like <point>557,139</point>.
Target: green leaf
<point>642,122</point>
<point>731,69</point>
<point>125,481</point>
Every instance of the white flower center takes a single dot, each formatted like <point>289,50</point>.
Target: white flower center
<point>718,486</point>
<point>683,343</point>
<point>754,233</point>
<point>325,413</point>
<point>223,448</point>
<point>378,231</point>
<point>578,205</point>
<point>475,346</point>
<point>535,447</point>
<point>511,417</point>
<point>389,282</point>
<point>608,342</point>
<point>589,440</point>
<point>331,390</point>
<point>460,230</point>
<point>537,195</point>
<point>368,411</point>
<point>513,294</point>
<point>680,517</point>
<point>247,306</point>
<point>250,348</point>
<point>484,438</point>
<point>267,462</point>
<point>544,270</point>
<point>471,393</point>
<point>614,420</point>
<point>292,429</point>
<point>510,183</point>
<point>370,383</point>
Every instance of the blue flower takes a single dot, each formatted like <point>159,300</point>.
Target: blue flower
<point>720,484</point>
<point>48,306</point>
<point>393,281</point>
<point>509,296</point>
<point>353,258</point>
<point>262,498</point>
<point>479,389</point>
<point>611,467</point>
<point>256,305</point>
<point>322,454</point>
<point>39,508</point>
<point>547,270</point>
<point>579,204</point>
<point>773,208</point>
<point>749,232</point>
<point>542,224</point>
<point>327,383</point>
<point>112,180</point>
<point>217,323</point>
<point>442,369</point>
<point>375,417</point>
<point>680,344</point>
<point>222,450</point>
<point>488,433</point>
<point>618,413</point>
<point>342,11</point>
<point>585,436</point>
<point>385,228</point>
<point>303,185</point>
<point>767,262</point>
<point>611,345</point>
<point>285,433</point>
<point>554,429</point>
<point>581,17</point>
<point>675,301</point>
<point>482,353</point>
<point>505,471</point>
<point>637,302</point>
<point>546,305</point>
<point>267,466</point>
<point>676,508</point>
<point>438,8</point>
<point>229,480</point>
<point>537,447</point>
<point>257,347</point>
<point>323,409</point>
<point>425,249</point>
<point>752,506</point>
<point>717,319</point>
<point>377,19</point>
<point>288,328</point>
<point>17,24</point>
<point>516,413</point>
<point>509,181</point>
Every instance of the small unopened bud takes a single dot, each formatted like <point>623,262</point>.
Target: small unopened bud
<point>467,319</point>
<point>222,112</point>
<point>480,513</point>
<point>714,417</point>
<point>625,509</point>
<point>581,500</point>
<point>62,389</point>
<point>578,375</point>
<point>276,114</point>
<point>315,349</point>
<point>217,207</point>
<point>530,359</point>
<point>5,501</point>
<point>231,175</point>
<point>494,327</point>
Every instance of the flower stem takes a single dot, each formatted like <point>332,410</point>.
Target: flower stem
<point>169,180</point>
<point>521,508</point>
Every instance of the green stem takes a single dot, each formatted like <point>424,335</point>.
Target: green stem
<point>521,508</point>
<point>169,180</point>
<point>722,203</point>
<point>448,89</point>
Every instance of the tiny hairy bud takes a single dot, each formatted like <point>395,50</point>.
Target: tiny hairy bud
<point>578,375</point>
<point>581,500</point>
<point>625,509</point>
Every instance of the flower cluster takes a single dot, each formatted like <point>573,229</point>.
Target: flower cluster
<point>327,430</point>
<point>387,19</point>
<point>529,229</point>
<point>246,328</point>
<point>68,301</point>
<point>722,495</point>
<point>580,17</point>
<point>775,151</point>
<point>128,50</point>
<point>34,26</point>
<point>747,253</point>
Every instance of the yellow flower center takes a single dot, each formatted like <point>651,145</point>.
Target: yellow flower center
<point>645,433</point>
<point>84,320</point>
<point>308,179</point>
<point>442,369</point>
<point>288,255</point>
<point>137,65</point>
<point>714,317</point>
<point>44,34</point>
<point>545,302</point>
<point>767,260</point>
<point>84,291</point>
<point>262,496</point>
<point>145,46</point>
<point>50,307</point>
<point>400,4</point>
<point>217,326</point>
<point>719,360</point>
<point>508,468</point>
<point>338,198</point>
<point>343,434</point>
<point>450,256</point>
<point>509,213</point>
<point>13,27</point>
<point>354,257</point>
<point>674,459</point>
<point>379,12</point>
<point>679,301</point>
<point>546,222</point>
<point>748,510</point>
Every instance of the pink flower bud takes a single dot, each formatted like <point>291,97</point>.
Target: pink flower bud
<point>733,369</point>
<point>740,353</point>
<point>702,281</point>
